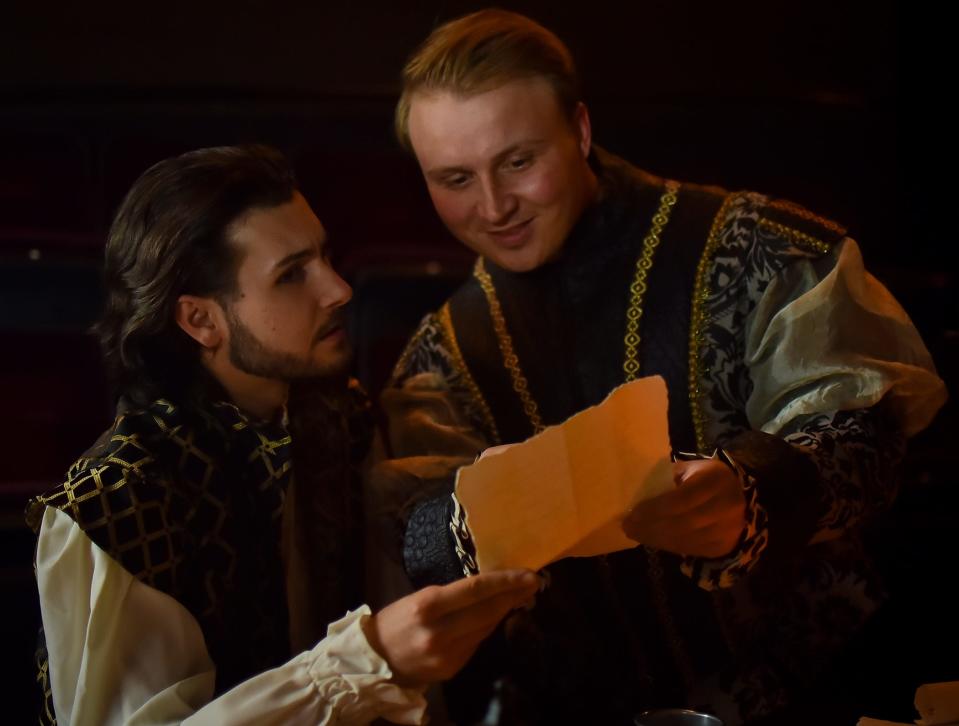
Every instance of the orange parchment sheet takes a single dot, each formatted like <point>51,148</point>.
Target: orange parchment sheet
<point>564,492</point>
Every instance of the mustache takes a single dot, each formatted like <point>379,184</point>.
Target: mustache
<point>336,321</point>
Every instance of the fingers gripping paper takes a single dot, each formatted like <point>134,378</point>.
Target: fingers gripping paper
<point>564,492</point>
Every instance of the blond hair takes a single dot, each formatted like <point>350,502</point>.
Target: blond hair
<point>482,51</point>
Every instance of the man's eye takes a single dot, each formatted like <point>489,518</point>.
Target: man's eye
<point>456,182</point>
<point>293,274</point>
<point>520,162</point>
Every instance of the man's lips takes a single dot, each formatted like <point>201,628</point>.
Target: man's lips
<point>514,235</point>
<point>332,329</point>
<point>332,332</point>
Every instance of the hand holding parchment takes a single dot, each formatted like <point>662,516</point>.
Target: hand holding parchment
<point>703,516</point>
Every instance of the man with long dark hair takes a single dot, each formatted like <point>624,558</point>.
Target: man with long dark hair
<point>184,573</point>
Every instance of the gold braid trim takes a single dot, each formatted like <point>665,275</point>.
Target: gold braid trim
<point>449,332</point>
<point>630,368</point>
<point>634,313</point>
<point>698,320</point>
<point>510,359</point>
<point>803,213</point>
<point>637,290</point>
<point>795,236</point>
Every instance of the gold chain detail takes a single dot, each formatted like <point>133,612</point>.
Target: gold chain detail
<point>795,235</point>
<point>634,312</point>
<point>637,290</point>
<point>510,359</point>
<point>637,294</point>
<point>630,367</point>
<point>698,320</point>
<point>803,213</point>
<point>449,332</point>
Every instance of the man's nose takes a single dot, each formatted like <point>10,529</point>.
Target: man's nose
<point>333,290</point>
<point>497,203</point>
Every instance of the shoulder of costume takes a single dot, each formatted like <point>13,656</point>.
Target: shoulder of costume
<point>142,446</point>
<point>623,179</point>
<point>785,222</point>
<point>776,220</point>
<point>619,178</point>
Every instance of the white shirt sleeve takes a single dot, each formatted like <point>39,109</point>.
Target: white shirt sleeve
<point>121,652</point>
<point>836,339</point>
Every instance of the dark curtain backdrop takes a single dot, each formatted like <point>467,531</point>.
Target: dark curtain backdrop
<point>840,106</point>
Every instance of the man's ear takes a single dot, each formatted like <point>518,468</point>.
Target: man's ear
<point>202,319</point>
<point>583,128</point>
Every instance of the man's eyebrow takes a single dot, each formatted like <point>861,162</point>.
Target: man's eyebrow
<point>441,171</point>
<point>528,145</point>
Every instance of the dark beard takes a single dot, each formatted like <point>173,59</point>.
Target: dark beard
<point>251,356</point>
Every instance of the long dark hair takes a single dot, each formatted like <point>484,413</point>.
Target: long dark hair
<point>169,238</point>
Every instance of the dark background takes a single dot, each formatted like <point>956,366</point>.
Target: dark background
<point>840,106</point>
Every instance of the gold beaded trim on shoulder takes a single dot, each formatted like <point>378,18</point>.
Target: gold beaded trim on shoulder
<point>505,342</point>
<point>800,238</point>
<point>803,213</point>
<point>449,333</point>
<point>698,319</point>
<point>637,290</point>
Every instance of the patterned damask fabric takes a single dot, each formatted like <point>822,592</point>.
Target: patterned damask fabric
<point>430,358</point>
<point>749,256</point>
<point>854,452</point>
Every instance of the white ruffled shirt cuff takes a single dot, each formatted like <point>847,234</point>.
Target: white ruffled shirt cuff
<point>354,679</point>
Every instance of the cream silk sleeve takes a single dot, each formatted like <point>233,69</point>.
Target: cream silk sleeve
<point>827,336</point>
<point>121,652</point>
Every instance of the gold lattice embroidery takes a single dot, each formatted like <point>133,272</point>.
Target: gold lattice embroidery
<point>47,714</point>
<point>794,235</point>
<point>505,342</point>
<point>637,290</point>
<point>449,332</point>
